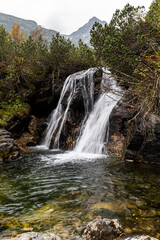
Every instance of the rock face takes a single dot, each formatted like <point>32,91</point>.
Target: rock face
<point>151,149</point>
<point>134,139</point>
<point>33,133</point>
<point>35,236</point>
<point>8,147</point>
<point>102,229</point>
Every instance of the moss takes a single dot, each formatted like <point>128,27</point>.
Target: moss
<point>16,107</point>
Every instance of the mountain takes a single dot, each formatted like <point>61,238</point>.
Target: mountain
<point>29,25</point>
<point>84,31</point>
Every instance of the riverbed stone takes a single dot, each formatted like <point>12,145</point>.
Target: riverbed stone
<point>137,237</point>
<point>35,236</point>
<point>102,229</point>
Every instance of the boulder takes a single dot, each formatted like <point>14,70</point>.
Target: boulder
<point>8,147</point>
<point>102,229</point>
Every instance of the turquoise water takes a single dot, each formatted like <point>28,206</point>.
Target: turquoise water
<point>60,193</point>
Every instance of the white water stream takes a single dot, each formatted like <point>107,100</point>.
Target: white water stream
<point>94,135</point>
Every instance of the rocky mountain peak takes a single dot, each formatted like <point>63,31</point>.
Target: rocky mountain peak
<point>94,19</point>
<point>83,32</point>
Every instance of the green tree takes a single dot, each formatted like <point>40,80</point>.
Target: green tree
<point>153,15</point>
<point>129,46</point>
<point>123,43</point>
<point>6,47</point>
<point>60,49</point>
<point>86,56</point>
<point>98,35</point>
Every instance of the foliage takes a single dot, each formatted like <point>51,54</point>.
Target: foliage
<point>128,36</point>
<point>97,38</point>
<point>60,50</point>
<point>130,46</point>
<point>12,107</point>
<point>38,35</point>
<point>85,55</point>
<point>16,34</point>
<point>26,62</point>
<point>153,15</point>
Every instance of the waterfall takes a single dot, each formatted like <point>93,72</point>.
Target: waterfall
<point>83,81</point>
<point>96,129</point>
<point>95,125</point>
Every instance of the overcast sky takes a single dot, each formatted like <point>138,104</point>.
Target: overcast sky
<point>65,16</point>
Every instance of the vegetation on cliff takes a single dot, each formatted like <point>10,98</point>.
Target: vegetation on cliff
<point>130,46</point>
<point>25,62</point>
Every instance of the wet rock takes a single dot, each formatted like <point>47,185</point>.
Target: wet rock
<point>33,134</point>
<point>102,229</point>
<point>36,127</point>
<point>18,125</point>
<point>8,147</point>
<point>35,236</point>
<point>25,141</point>
<point>118,128</point>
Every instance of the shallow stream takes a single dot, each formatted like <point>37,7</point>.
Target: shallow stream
<point>61,192</point>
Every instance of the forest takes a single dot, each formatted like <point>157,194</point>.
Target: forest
<point>80,131</point>
<point>128,46</point>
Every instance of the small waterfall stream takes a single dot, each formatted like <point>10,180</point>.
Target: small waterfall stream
<point>96,130</point>
<point>96,120</point>
<point>82,80</point>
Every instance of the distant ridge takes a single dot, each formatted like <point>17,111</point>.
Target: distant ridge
<point>29,25</point>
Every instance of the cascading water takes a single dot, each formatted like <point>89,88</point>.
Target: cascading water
<point>94,135</point>
<point>84,82</point>
<point>97,125</point>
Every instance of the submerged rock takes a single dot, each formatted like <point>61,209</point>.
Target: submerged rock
<point>35,236</point>
<point>102,229</point>
<point>8,147</point>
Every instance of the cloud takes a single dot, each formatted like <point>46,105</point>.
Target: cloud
<point>65,16</point>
